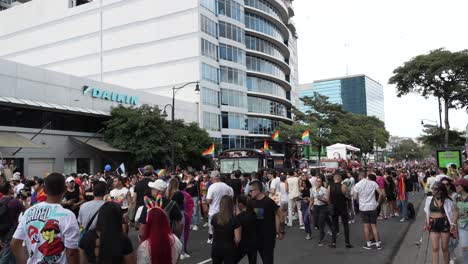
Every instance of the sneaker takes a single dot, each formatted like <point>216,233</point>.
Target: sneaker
<point>206,224</point>
<point>320,244</point>
<point>396,214</point>
<point>367,246</point>
<point>332,245</point>
<point>308,237</point>
<point>186,255</point>
<point>302,227</point>
<point>209,241</point>
<point>403,220</point>
<point>195,228</point>
<point>348,246</point>
<point>378,245</point>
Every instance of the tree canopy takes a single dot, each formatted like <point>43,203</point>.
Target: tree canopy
<point>440,73</point>
<point>338,126</point>
<point>432,136</point>
<point>147,136</point>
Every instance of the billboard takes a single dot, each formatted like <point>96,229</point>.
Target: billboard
<point>445,157</point>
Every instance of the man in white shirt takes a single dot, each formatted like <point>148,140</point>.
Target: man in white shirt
<point>294,200</point>
<point>121,195</point>
<point>365,190</point>
<point>216,191</point>
<point>16,181</point>
<point>51,233</point>
<point>442,173</point>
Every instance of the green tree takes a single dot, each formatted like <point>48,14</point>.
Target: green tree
<point>147,136</point>
<point>408,150</point>
<point>340,126</point>
<point>439,73</point>
<point>432,137</point>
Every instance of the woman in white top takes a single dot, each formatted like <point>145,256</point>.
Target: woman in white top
<point>283,190</point>
<point>319,201</point>
<point>159,244</point>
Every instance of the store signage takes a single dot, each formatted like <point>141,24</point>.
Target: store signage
<point>110,96</point>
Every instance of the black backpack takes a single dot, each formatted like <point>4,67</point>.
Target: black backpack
<point>5,223</point>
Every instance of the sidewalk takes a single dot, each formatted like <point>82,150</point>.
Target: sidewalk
<point>416,246</point>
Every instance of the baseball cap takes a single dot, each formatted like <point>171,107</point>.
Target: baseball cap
<point>70,179</point>
<point>159,185</point>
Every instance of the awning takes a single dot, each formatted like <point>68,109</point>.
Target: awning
<point>13,140</point>
<point>98,144</point>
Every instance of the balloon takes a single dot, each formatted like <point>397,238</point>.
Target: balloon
<point>107,167</point>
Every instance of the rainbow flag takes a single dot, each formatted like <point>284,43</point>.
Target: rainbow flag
<point>275,136</point>
<point>210,151</point>
<point>160,172</point>
<point>266,148</point>
<point>305,137</point>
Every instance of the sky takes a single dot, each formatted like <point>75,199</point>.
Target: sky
<point>374,37</point>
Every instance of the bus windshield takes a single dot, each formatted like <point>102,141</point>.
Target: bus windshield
<point>245,165</point>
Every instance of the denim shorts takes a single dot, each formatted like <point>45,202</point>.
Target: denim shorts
<point>463,236</point>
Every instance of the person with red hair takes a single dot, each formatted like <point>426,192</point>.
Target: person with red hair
<point>159,245</point>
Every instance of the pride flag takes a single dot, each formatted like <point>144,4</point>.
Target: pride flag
<point>305,137</point>
<point>210,151</point>
<point>266,148</point>
<point>160,172</point>
<point>275,136</point>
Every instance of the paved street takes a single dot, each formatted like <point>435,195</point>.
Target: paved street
<point>295,248</point>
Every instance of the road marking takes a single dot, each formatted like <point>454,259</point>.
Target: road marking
<point>205,261</point>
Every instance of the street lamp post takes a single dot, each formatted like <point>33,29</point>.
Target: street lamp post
<point>440,128</point>
<point>164,115</point>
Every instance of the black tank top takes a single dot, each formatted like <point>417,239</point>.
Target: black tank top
<point>337,198</point>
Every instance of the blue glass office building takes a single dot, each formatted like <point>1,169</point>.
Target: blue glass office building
<point>358,94</point>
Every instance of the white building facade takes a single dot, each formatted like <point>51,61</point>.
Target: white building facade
<point>244,53</point>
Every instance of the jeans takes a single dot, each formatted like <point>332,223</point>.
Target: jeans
<point>415,186</point>
<point>6,256</point>
<point>306,215</point>
<point>403,206</point>
<point>294,203</point>
<point>196,210</point>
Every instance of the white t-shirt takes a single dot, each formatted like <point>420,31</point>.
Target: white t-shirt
<point>430,181</point>
<point>440,177</point>
<point>313,180</point>
<point>120,197</point>
<point>274,184</point>
<point>144,254</point>
<point>283,193</point>
<point>48,229</point>
<point>366,194</point>
<point>293,187</point>
<point>316,194</point>
<point>18,188</point>
<point>215,193</point>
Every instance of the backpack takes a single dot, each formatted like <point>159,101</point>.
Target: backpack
<point>5,223</point>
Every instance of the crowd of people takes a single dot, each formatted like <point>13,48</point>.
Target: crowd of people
<point>82,218</point>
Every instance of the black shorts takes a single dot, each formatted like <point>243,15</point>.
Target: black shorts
<point>369,217</point>
<point>439,225</point>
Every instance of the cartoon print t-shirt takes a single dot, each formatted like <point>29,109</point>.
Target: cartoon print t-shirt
<point>119,196</point>
<point>47,230</point>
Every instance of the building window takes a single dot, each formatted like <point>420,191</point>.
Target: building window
<point>74,3</point>
<point>209,26</point>
<point>232,32</point>
<point>209,4</point>
<point>233,98</point>
<point>210,97</point>
<point>210,73</point>
<point>263,6</point>
<point>232,75</point>
<point>264,66</point>
<point>264,106</point>
<point>263,46</point>
<point>233,120</point>
<point>211,121</point>
<point>262,126</point>
<point>231,9</point>
<point>264,26</point>
<point>259,85</point>
<point>209,49</point>
<point>233,142</point>
<point>231,53</point>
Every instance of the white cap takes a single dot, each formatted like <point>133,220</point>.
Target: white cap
<point>16,176</point>
<point>70,179</point>
<point>159,185</point>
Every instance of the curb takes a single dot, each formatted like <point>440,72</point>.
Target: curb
<point>393,253</point>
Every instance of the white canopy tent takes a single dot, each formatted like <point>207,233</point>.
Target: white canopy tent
<point>340,151</point>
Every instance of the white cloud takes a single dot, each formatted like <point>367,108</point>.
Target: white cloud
<point>375,37</point>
